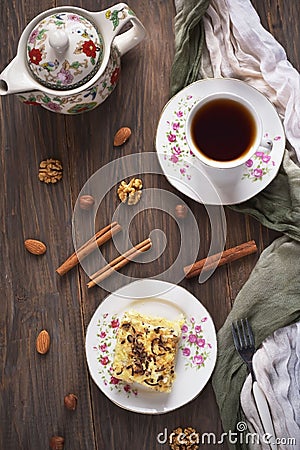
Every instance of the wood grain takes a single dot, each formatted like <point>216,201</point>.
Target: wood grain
<point>34,297</point>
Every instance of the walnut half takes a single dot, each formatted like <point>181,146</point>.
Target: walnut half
<point>187,439</point>
<point>50,171</point>
<point>130,193</point>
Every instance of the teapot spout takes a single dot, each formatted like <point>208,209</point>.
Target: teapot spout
<point>15,79</point>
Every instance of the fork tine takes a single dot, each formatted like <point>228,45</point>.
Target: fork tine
<point>244,342</point>
<point>250,333</point>
<point>240,330</point>
<point>235,336</point>
<point>245,334</point>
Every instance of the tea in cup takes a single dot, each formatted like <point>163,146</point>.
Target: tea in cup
<point>223,130</point>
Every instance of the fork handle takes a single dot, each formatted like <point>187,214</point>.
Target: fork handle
<point>264,414</point>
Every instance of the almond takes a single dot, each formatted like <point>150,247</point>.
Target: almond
<point>35,247</point>
<point>121,136</point>
<point>43,342</point>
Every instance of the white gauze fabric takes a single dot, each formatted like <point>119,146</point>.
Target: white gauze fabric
<point>277,367</point>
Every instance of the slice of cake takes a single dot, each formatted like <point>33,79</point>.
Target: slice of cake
<point>146,350</point>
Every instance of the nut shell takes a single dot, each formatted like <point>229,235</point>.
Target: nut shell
<point>70,402</point>
<point>86,202</point>
<point>181,211</point>
<point>35,247</point>
<point>121,136</point>
<point>57,443</point>
<point>43,342</point>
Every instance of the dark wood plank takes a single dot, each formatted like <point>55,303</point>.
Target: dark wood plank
<point>33,297</point>
<point>282,20</point>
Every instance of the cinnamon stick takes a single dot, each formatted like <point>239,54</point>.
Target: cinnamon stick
<point>119,262</point>
<point>225,257</point>
<point>88,247</point>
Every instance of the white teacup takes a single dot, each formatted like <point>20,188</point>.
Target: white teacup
<point>223,130</point>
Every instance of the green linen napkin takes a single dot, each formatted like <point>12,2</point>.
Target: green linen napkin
<point>278,205</point>
<point>271,296</point>
<point>189,40</point>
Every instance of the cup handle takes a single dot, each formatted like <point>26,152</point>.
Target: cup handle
<point>119,15</point>
<point>267,144</point>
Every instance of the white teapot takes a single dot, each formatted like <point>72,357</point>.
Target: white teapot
<point>68,59</point>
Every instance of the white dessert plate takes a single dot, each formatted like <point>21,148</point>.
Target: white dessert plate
<point>197,348</point>
<point>187,173</point>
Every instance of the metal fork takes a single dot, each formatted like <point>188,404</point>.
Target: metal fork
<point>244,342</point>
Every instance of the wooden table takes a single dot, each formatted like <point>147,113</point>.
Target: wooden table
<point>34,297</point>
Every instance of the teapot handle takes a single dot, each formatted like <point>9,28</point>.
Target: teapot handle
<point>119,15</point>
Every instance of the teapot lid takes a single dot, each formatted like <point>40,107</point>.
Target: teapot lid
<point>64,51</point>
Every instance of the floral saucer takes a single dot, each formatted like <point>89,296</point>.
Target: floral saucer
<point>197,348</point>
<point>184,170</point>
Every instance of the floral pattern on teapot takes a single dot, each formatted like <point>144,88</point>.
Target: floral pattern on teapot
<point>85,100</point>
<point>70,58</point>
<point>118,14</point>
<point>82,57</point>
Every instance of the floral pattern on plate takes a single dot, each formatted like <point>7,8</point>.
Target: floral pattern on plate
<point>198,185</point>
<point>178,154</point>
<point>108,328</point>
<point>194,346</point>
<point>260,164</point>
<point>163,300</point>
<point>176,149</point>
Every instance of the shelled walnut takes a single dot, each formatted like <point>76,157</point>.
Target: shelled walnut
<point>50,171</point>
<point>184,439</point>
<point>130,193</point>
